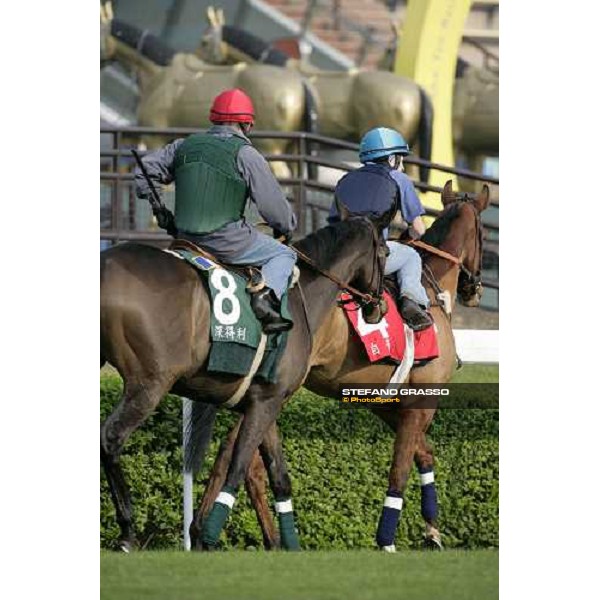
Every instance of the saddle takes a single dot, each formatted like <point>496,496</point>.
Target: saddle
<point>391,339</point>
<point>239,346</point>
<point>203,259</point>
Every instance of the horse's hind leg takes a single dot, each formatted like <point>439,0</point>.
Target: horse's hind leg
<point>272,454</point>
<point>429,507</point>
<point>136,404</point>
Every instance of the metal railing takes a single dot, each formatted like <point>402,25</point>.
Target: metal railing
<point>125,218</point>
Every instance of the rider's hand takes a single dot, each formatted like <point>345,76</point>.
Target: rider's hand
<point>166,220</point>
<point>287,236</point>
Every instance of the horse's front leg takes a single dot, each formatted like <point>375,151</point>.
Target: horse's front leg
<point>259,414</point>
<point>214,485</point>
<point>405,445</point>
<point>256,487</point>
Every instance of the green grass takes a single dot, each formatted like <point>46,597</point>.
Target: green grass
<point>364,575</point>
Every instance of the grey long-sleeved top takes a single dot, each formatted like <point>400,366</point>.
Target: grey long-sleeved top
<point>263,190</point>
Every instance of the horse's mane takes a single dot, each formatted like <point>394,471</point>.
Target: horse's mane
<point>438,230</point>
<point>323,245</point>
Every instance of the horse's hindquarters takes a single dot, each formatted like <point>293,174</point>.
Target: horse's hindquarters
<point>152,310</point>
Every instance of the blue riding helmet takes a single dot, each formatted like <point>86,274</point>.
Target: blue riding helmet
<point>380,142</point>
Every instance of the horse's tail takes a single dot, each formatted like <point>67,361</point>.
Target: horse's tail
<point>425,133</point>
<point>310,122</point>
<point>197,434</point>
<point>255,47</point>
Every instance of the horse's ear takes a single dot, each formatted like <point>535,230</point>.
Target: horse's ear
<point>483,199</point>
<point>211,16</point>
<point>342,209</point>
<point>447,193</point>
<point>106,12</point>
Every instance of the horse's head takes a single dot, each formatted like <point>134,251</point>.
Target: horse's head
<point>212,48</point>
<point>370,275</point>
<point>466,239</point>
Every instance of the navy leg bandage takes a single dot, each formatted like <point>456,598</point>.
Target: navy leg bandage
<point>429,508</point>
<point>388,522</point>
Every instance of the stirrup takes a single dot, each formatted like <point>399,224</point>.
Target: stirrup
<point>414,316</point>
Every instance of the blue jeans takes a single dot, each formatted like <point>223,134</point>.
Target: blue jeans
<point>275,259</point>
<point>406,263</point>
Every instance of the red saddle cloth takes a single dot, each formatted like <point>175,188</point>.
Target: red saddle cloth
<point>386,339</point>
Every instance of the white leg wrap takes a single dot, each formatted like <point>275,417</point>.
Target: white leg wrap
<point>426,478</point>
<point>395,503</point>
<point>283,507</point>
<point>226,498</point>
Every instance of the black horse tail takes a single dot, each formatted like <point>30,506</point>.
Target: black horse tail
<point>197,434</point>
<point>425,134</point>
<point>253,46</point>
<point>310,124</point>
<point>146,43</point>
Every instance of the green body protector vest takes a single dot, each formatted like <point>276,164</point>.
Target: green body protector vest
<point>209,190</point>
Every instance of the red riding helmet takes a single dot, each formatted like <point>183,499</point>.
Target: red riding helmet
<point>232,105</point>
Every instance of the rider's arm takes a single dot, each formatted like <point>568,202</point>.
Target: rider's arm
<point>159,165</point>
<point>265,192</point>
<point>410,205</point>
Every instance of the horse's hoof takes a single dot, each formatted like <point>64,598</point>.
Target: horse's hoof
<point>126,547</point>
<point>208,547</point>
<point>432,543</point>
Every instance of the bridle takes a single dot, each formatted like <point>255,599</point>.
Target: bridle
<point>362,299</point>
<point>471,284</point>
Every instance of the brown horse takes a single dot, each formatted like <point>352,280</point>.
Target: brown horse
<point>154,327</point>
<point>339,358</point>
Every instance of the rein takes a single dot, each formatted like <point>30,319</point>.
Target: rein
<point>367,298</point>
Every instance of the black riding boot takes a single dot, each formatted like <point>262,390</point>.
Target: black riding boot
<point>416,318</point>
<point>267,308</point>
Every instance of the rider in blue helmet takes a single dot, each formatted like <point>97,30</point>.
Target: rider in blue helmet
<point>372,190</point>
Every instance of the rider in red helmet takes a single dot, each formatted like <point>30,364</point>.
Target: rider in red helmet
<point>215,173</point>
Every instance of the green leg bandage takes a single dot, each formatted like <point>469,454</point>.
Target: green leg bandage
<point>287,528</point>
<point>214,523</point>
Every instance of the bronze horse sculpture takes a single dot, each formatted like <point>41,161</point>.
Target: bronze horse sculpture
<point>345,103</point>
<point>338,358</point>
<point>154,329</point>
<point>177,88</point>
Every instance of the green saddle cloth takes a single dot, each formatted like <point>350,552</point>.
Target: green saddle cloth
<point>235,332</point>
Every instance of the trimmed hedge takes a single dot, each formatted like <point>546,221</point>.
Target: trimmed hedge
<point>339,462</point>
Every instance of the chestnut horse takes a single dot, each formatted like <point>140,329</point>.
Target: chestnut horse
<point>338,358</point>
<point>154,327</point>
